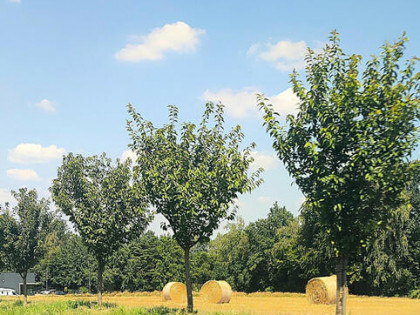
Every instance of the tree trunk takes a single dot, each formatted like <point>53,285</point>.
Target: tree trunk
<point>190,306</point>
<point>25,292</point>
<point>46,280</point>
<point>100,272</point>
<point>341,269</point>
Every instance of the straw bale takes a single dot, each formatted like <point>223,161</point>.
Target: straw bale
<point>322,290</point>
<point>175,291</point>
<point>216,291</point>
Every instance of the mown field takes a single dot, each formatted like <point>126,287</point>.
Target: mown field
<point>241,303</point>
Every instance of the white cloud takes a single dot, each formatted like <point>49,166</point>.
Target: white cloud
<point>239,104</point>
<point>243,103</point>
<point>285,102</point>
<point>46,105</point>
<point>5,196</point>
<point>264,160</point>
<point>128,154</point>
<point>23,174</point>
<point>284,55</point>
<point>15,1</point>
<point>31,153</point>
<point>178,37</point>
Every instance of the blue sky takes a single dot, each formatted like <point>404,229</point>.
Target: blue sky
<point>69,68</point>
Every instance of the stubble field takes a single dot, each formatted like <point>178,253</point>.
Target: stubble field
<point>256,303</point>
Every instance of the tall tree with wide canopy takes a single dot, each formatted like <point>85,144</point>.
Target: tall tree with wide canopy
<point>191,175</point>
<point>100,200</point>
<point>349,145</point>
<point>22,229</point>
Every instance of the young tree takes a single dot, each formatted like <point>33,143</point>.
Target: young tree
<point>349,145</point>
<point>191,176</point>
<point>101,202</point>
<point>22,230</point>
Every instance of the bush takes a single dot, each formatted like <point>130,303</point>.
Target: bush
<point>83,290</point>
<point>415,294</point>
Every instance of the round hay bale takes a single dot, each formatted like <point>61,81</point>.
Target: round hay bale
<point>175,291</point>
<point>322,290</point>
<point>216,291</point>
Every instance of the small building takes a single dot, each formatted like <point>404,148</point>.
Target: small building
<point>9,280</point>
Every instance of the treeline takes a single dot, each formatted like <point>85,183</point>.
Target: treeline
<point>277,253</point>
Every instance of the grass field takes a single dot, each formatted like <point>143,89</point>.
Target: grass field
<point>256,303</point>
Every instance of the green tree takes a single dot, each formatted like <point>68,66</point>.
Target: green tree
<point>69,264</point>
<point>414,235</point>
<point>55,230</point>
<point>23,230</point>
<point>260,237</point>
<point>191,176</point>
<point>100,200</point>
<point>348,147</point>
<point>228,252</point>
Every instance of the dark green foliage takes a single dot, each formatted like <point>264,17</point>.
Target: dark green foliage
<point>293,254</point>
<point>262,256</point>
<point>316,252</point>
<point>414,230</point>
<point>228,251</point>
<point>145,264</point>
<point>54,232</point>
<point>72,265</point>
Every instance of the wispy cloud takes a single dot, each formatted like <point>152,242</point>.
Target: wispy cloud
<point>46,105</point>
<point>242,103</point>
<point>283,55</point>
<point>31,153</point>
<point>15,1</point>
<point>23,174</point>
<point>178,37</point>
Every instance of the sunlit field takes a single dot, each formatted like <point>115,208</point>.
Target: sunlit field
<point>241,303</point>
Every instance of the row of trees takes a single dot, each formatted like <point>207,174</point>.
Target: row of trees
<point>278,253</point>
<point>190,174</point>
<point>348,150</point>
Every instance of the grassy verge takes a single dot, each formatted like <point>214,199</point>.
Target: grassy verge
<point>79,307</point>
